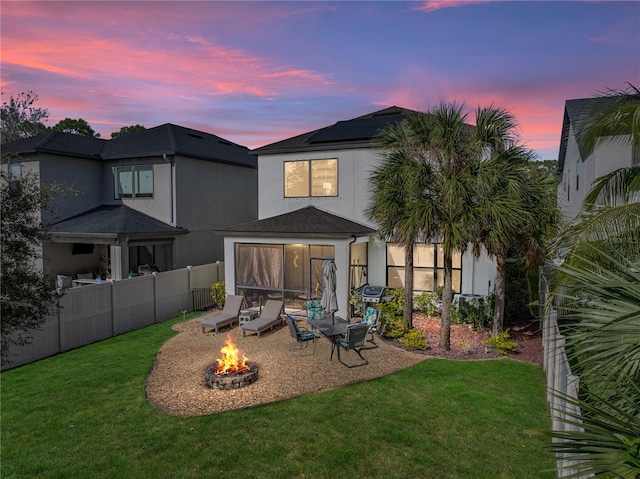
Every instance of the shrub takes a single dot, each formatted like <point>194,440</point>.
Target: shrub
<point>218,294</point>
<point>456,317</point>
<point>501,343</point>
<point>474,314</point>
<point>414,340</point>
<point>429,303</point>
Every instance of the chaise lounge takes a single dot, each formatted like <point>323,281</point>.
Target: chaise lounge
<point>228,316</point>
<point>268,319</point>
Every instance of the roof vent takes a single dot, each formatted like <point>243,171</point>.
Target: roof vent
<point>225,143</point>
<point>193,135</point>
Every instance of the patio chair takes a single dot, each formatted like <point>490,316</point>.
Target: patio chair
<point>371,316</point>
<point>228,316</point>
<point>354,340</point>
<point>301,335</point>
<point>314,310</point>
<point>268,319</point>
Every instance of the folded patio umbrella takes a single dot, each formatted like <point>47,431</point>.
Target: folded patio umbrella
<point>329,299</point>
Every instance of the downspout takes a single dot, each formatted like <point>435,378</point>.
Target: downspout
<point>171,167</point>
<point>349,278</point>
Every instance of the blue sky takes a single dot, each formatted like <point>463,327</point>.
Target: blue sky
<point>259,72</point>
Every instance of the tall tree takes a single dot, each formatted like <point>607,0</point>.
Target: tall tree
<point>596,290</point>
<point>76,127</point>
<point>391,195</point>
<point>515,207</point>
<point>127,130</point>
<point>27,295</point>
<point>20,118</point>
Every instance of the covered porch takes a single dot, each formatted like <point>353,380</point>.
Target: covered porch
<point>281,257</point>
<point>112,242</point>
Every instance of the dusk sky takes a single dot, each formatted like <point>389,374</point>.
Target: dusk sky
<point>258,72</point>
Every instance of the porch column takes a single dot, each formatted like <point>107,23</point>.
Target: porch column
<point>115,252</point>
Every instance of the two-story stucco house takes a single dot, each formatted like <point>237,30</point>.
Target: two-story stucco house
<point>149,198</point>
<point>577,168</point>
<point>313,193</point>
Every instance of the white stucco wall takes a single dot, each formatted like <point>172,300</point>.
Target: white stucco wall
<point>609,155</point>
<point>354,169</point>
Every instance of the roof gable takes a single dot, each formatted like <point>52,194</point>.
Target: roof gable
<point>307,222</point>
<point>577,113</point>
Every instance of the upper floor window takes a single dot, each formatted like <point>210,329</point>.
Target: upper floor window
<point>133,181</point>
<point>577,175</point>
<point>15,171</point>
<point>305,178</point>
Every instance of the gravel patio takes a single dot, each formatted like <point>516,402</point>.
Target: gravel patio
<point>176,385</point>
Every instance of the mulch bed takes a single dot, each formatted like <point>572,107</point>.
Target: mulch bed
<point>468,344</point>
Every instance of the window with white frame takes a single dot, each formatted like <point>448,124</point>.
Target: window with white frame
<point>133,181</point>
<point>15,171</point>
<point>311,178</point>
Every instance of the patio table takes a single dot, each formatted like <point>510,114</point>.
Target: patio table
<point>330,328</point>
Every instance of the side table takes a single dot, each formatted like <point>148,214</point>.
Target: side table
<point>247,315</point>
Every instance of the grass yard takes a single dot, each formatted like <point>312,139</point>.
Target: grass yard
<point>83,414</point>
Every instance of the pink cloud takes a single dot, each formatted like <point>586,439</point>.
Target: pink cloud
<point>433,5</point>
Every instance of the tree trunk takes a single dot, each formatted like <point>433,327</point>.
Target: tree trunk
<point>408,285</point>
<point>447,299</point>
<point>501,272</point>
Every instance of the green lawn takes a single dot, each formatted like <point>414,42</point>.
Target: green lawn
<point>83,414</point>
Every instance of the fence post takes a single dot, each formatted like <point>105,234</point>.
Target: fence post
<point>190,287</point>
<point>155,297</point>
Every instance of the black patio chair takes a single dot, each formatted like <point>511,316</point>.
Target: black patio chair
<point>354,340</point>
<point>301,335</point>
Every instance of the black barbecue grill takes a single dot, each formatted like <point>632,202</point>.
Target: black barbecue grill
<point>372,294</point>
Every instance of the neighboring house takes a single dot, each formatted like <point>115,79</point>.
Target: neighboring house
<point>151,198</point>
<point>576,169</point>
<point>313,193</point>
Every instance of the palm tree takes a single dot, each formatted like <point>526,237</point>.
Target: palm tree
<point>442,178</point>
<point>597,292</point>
<point>390,197</point>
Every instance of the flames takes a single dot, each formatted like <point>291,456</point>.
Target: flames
<point>230,362</point>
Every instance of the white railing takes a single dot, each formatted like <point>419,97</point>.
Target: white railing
<point>95,312</point>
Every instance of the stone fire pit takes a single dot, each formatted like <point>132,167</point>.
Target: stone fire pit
<point>233,380</point>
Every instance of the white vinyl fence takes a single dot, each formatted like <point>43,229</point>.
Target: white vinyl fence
<point>91,313</point>
<point>559,377</point>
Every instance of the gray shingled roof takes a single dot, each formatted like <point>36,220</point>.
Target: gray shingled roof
<point>166,139</point>
<point>305,222</point>
<point>57,142</point>
<point>113,221</point>
<point>177,140</point>
<point>355,133</point>
<point>576,114</point>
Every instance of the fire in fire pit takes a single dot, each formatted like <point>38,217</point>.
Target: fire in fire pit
<point>231,372</point>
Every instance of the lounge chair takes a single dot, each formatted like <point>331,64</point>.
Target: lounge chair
<point>267,320</point>
<point>228,316</point>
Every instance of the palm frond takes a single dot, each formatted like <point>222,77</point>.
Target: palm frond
<point>619,186</point>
